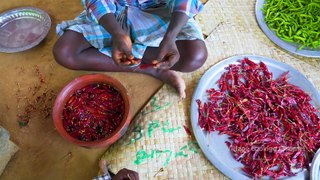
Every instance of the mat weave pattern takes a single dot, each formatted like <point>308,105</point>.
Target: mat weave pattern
<point>156,143</point>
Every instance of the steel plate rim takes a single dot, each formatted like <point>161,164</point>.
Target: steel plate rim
<point>194,111</point>
<point>278,41</point>
<point>47,26</point>
<point>315,166</point>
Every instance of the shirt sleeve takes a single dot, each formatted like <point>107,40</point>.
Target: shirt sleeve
<point>98,8</point>
<point>189,7</point>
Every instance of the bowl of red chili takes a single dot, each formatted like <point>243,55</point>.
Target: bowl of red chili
<point>92,111</point>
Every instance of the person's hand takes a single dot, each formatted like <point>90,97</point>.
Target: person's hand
<point>126,174</point>
<point>122,49</point>
<point>168,54</point>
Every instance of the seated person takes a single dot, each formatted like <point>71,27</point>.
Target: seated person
<point>153,37</point>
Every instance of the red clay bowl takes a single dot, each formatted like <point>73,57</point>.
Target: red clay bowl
<point>79,83</point>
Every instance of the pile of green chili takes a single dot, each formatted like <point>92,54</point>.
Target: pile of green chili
<point>295,21</point>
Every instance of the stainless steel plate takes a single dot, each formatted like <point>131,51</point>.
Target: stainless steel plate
<point>212,144</point>
<point>23,28</point>
<point>288,46</point>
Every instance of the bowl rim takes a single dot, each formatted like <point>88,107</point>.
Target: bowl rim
<point>78,83</point>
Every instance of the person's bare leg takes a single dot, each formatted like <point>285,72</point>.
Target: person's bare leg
<point>74,52</point>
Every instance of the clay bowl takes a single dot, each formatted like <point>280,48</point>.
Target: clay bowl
<point>79,83</point>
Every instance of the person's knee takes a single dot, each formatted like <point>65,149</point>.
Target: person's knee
<point>193,60</point>
<point>64,54</point>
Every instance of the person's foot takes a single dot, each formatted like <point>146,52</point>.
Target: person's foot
<point>173,79</point>
<point>170,77</point>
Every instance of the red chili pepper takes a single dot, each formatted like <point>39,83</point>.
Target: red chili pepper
<point>270,120</point>
<point>145,66</point>
<point>93,112</point>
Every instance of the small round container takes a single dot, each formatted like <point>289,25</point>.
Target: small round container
<point>23,28</point>
<point>79,83</point>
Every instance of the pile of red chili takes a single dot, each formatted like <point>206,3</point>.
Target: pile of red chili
<point>272,126</point>
<point>93,112</point>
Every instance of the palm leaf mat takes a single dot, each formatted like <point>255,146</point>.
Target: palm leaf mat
<point>156,144</point>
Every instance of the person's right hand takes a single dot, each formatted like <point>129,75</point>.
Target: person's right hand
<point>126,174</point>
<point>122,49</point>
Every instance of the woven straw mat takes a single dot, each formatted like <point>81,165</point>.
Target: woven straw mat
<point>156,144</point>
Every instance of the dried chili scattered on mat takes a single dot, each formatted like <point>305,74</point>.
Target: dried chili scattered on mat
<point>272,126</point>
<point>93,112</point>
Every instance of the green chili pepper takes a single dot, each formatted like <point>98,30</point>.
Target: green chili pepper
<point>295,21</point>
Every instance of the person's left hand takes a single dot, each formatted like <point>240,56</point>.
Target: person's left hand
<point>168,54</point>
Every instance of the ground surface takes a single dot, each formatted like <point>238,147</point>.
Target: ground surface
<point>44,154</point>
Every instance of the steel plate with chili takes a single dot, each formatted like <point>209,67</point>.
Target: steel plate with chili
<point>272,126</point>
<point>93,112</point>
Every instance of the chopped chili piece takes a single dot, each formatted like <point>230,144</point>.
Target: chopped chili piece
<point>272,126</point>
<point>187,130</point>
<point>93,112</point>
